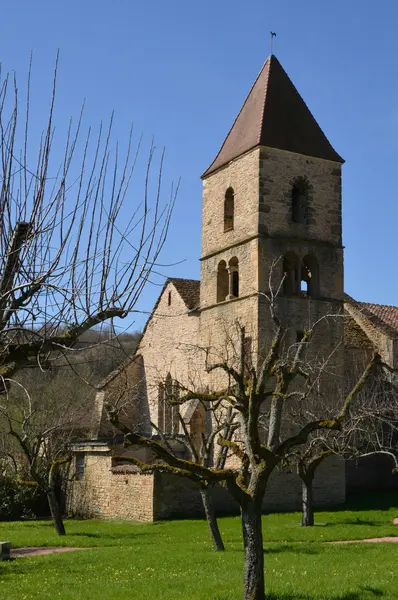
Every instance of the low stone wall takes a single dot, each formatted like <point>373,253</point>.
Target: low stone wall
<point>284,488</point>
<point>103,494</point>
<point>131,497</point>
<point>176,497</point>
<point>108,493</point>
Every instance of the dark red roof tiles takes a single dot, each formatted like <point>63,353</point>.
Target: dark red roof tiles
<point>380,316</point>
<point>189,290</point>
<point>275,115</point>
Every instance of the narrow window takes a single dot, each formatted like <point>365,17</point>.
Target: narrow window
<point>168,414</point>
<point>235,284</point>
<point>222,281</point>
<point>229,210</point>
<point>169,299</point>
<point>161,403</point>
<point>233,276</point>
<point>300,201</point>
<point>80,465</point>
<point>175,410</point>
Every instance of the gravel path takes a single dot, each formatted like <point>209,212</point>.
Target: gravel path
<point>22,552</point>
<point>394,540</point>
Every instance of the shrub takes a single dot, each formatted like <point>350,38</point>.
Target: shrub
<point>19,501</point>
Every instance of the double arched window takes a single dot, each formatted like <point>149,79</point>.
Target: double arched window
<point>300,278</point>
<point>228,280</point>
<point>229,209</point>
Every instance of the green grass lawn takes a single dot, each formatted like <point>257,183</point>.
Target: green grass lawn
<point>175,561</point>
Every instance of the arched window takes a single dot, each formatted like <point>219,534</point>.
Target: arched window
<point>175,411</point>
<point>310,277</point>
<point>229,210</point>
<point>161,403</point>
<point>233,271</point>
<point>291,274</point>
<point>222,281</point>
<point>300,200</point>
<point>168,413</point>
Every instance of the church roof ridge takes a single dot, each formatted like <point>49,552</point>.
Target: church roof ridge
<point>189,290</point>
<point>274,115</point>
<point>383,317</point>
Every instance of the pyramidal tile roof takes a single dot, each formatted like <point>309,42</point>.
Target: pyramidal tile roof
<point>275,115</point>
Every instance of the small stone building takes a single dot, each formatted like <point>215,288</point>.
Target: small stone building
<point>271,205</point>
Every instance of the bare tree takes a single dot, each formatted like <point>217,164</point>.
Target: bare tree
<point>43,421</point>
<point>76,245</point>
<point>261,397</point>
<point>201,449</point>
<point>76,250</point>
<point>369,429</point>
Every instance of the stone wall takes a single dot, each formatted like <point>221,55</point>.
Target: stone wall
<point>170,345</point>
<point>284,488</point>
<point>242,176</point>
<point>90,496</point>
<point>108,493</point>
<point>131,497</point>
<point>175,497</point>
<point>279,170</point>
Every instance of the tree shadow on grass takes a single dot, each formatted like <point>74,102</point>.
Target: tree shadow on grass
<point>364,593</point>
<point>355,521</point>
<point>299,548</point>
<point>82,534</point>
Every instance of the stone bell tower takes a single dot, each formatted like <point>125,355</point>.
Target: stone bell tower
<point>272,203</point>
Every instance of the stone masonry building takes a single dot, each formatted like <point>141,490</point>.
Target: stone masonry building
<point>271,213</point>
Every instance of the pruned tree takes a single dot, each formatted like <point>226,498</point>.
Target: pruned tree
<point>41,423</point>
<point>77,246</point>
<point>368,429</point>
<point>176,431</point>
<point>203,450</point>
<point>44,412</point>
<point>260,396</point>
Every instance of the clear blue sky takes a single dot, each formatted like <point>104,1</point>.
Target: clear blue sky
<point>180,71</point>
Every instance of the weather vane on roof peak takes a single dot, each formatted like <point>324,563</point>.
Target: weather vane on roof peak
<point>273,35</point>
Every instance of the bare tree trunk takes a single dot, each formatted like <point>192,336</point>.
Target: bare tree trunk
<point>53,500</point>
<point>254,552</point>
<point>211,518</point>
<point>55,512</point>
<point>307,519</point>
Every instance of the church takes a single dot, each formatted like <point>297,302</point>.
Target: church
<point>271,211</point>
